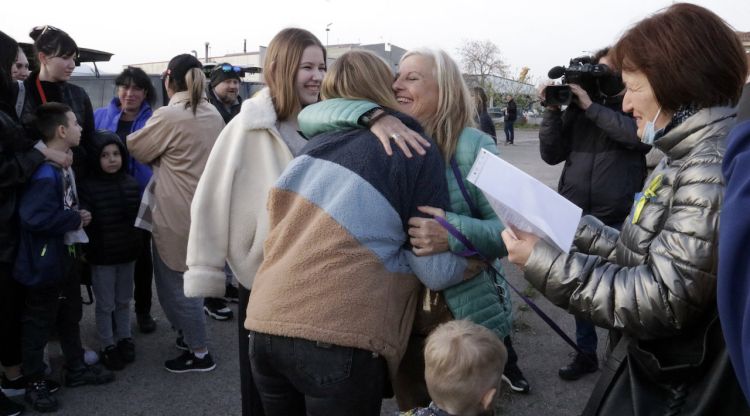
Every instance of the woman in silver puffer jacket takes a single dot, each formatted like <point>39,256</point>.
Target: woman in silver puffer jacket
<point>654,282</point>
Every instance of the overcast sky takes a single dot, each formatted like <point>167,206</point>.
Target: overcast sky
<point>534,33</point>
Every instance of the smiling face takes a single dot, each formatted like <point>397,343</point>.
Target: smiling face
<point>312,68</point>
<point>641,102</point>
<point>56,68</point>
<point>131,98</point>
<point>228,90</point>
<point>110,159</point>
<point>416,87</point>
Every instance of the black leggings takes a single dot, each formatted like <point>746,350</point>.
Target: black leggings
<point>12,295</point>
<point>251,404</point>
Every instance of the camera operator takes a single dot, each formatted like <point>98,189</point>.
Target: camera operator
<point>604,168</point>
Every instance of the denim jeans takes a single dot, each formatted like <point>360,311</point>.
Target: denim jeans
<point>113,290</point>
<point>509,132</point>
<point>300,377</point>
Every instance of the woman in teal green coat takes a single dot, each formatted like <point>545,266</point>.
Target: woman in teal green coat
<point>429,87</point>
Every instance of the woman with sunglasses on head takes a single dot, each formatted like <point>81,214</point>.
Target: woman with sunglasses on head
<point>176,142</point>
<point>128,112</point>
<point>56,53</point>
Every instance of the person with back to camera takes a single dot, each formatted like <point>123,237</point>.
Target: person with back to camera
<point>334,299</point>
<point>112,196</point>
<point>654,282</point>
<point>56,53</point>
<point>463,363</point>
<point>604,168</point>
<point>51,222</point>
<point>18,162</point>
<point>430,88</point>
<point>128,112</point>
<point>176,142</point>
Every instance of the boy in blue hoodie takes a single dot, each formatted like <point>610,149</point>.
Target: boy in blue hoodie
<point>51,223</point>
<point>113,197</point>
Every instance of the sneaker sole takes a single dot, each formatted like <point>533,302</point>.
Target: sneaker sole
<point>233,300</point>
<point>216,316</point>
<point>14,392</point>
<point>190,370</point>
<point>512,387</point>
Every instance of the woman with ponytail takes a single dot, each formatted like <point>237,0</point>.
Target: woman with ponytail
<point>176,142</point>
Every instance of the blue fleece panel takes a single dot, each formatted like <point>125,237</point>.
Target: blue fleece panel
<point>348,198</point>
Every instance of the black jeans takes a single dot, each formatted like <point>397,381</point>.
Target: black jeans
<point>509,132</point>
<point>50,307</point>
<point>300,377</point>
<point>143,276</point>
<point>12,296</point>
<point>251,404</point>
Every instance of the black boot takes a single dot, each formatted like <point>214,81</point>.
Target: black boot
<point>581,365</point>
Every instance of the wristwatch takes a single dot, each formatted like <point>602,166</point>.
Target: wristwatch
<point>371,116</point>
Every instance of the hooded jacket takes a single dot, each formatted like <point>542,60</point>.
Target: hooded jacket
<point>113,200</point>
<point>107,118</point>
<point>604,159</point>
<point>657,277</point>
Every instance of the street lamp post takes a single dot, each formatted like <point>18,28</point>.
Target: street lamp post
<point>328,29</point>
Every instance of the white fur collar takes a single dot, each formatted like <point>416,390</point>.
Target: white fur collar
<point>258,111</point>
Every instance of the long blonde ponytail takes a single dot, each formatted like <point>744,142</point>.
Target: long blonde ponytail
<point>195,80</point>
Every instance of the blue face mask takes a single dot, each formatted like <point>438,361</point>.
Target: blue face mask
<point>649,132</point>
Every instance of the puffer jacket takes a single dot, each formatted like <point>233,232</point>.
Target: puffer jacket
<point>113,200</point>
<point>657,277</point>
<point>107,118</point>
<point>474,302</point>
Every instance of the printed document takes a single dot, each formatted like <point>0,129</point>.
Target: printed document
<point>524,202</point>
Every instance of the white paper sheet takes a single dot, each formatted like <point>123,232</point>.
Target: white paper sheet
<point>524,202</point>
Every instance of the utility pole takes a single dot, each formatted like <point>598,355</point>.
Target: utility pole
<point>328,29</point>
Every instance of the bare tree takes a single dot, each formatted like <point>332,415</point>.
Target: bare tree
<point>482,59</point>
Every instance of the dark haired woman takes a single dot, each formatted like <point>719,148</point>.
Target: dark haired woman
<point>56,53</point>
<point>654,282</point>
<point>127,113</point>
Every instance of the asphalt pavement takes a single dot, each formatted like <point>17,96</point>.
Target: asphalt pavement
<point>146,388</point>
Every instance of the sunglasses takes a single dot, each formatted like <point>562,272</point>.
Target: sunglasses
<point>230,68</point>
<point>47,28</point>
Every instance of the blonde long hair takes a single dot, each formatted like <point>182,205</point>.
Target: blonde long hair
<point>195,79</point>
<point>360,74</point>
<point>455,108</point>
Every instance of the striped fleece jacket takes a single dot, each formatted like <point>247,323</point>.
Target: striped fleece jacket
<point>337,267</point>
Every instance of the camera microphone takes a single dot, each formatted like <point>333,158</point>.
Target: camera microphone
<point>556,72</point>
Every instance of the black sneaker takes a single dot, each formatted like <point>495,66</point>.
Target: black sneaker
<point>17,387</point>
<point>231,294</point>
<point>179,343</point>
<point>12,388</point>
<point>40,398</point>
<point>515,379</point>
<point>126,346</point>
<point>581,365</point>
<point>146,323</point>
<point>188,362</point>
<point>217,309</point>
<point>10,408</point>
<point>88,374</point>
<point>111,358</point>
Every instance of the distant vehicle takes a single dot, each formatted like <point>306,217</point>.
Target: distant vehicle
<point>497,115</point>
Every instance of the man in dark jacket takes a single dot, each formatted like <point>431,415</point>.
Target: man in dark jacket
<point>224,94</point>
<point>604,168</point>
<point>511,114</point>
<point>224,90</point>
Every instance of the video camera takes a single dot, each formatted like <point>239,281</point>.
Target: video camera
<point>596,79</point>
